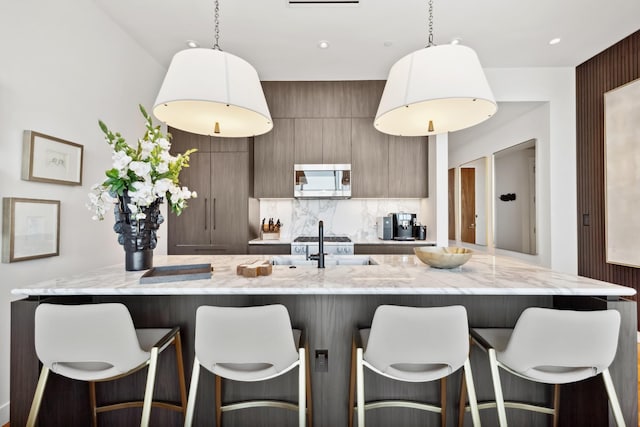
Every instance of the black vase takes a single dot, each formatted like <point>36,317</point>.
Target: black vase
<point>137,236</point>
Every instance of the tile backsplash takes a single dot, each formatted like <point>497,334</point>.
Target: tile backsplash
<point>355,218</point>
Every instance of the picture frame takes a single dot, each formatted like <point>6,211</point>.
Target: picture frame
<point>622,193</point>
<point>49,159</point>
<point>30,229</point>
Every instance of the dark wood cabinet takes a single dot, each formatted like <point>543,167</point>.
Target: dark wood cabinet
<point>322,140</point>
<point>273,160</point>
<point>408,166</point>
<point>332,122</point>
<point>275,249</point>
<point>365,97</point>
<point>216,222</point>
<point>370,160</point>
<point>307,141</point>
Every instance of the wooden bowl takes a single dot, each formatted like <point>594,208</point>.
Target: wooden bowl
<point>443,257</point>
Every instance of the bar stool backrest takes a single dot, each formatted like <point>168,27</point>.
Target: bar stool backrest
<point>546,339</point>
<point>237,336</point>
<point>418,335</point>
<point>88,340</point>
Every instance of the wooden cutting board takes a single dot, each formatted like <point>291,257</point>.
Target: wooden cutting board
<point>255,269</point>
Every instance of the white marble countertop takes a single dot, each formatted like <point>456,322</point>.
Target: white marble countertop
<point>395,274</point>
<point>374,241</point>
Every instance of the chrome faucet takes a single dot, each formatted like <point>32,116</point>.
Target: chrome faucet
<point>320,255</point>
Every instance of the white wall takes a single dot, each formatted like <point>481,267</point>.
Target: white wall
<point>65,64</point>
<point>555,154</point>
<point>513,219</point>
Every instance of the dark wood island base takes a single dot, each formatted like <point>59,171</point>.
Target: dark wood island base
<point>329,321</point>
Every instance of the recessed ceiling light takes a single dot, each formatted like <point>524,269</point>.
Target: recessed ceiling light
<point>192,43</point>
<point>554,41</point>
<point>457,40</point>
<point>323,44</point>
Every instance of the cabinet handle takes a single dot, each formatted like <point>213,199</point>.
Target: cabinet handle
<point>205,213</point>
<point>214,213</point>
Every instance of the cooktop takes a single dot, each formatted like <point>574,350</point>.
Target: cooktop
<point>313,239</point>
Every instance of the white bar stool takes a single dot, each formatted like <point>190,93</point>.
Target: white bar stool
<point>98,342</point>
<point>553,347</point>
<point>415,345</point>
<point>250,344</point>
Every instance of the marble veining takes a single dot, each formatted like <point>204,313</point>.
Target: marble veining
<point>356,218</point>
<point>484,274</point>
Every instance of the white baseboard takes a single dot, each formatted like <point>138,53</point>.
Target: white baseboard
<point>4,414</point>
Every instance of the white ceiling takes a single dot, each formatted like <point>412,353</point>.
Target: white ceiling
<point>280,41</point>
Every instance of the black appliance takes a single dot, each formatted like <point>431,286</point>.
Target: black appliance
<point>402,225</point>
<point>420,232</point>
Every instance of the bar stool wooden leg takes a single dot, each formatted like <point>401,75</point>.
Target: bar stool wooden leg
<point>613,398</point>
<point>148,392</point>
<point>193,392</point>
<point>92,401</point>
<point>302,387</point>
<point>360,386</point>
<point>556,405</point>
<point>177,342</point>
<point>443,402</point>
<point>37,398</point>
<point>308,391</point>
<point>352,383</point>
<point>463,399</point>
<point>218,404</point>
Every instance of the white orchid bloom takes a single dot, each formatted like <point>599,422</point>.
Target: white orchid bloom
<point>146,147</point>
<point>164,143</point>
<point>121,160</point>
<point>140,168</point>
<point>163,167</point>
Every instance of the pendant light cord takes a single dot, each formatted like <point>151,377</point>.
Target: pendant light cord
<point>216,46</point>
<point>430,41</point>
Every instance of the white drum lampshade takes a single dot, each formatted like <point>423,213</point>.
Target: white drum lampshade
<point>211,92</point>
<point>435,90</point>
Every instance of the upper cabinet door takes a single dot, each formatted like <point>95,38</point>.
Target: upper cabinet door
<point>273,161</point>
<point>336,141</point>
<point>408,166</point>
<point>365,97</point>
<point>308,141</point>
<point>323,141</point>
<point>370,160</point>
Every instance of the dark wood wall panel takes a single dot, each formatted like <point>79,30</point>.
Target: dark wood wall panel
<point>613,67</point>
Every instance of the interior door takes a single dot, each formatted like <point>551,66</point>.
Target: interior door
<point>468,205</point>
<point>452,204</point>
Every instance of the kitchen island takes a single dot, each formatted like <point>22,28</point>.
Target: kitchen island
<point>329,303</point>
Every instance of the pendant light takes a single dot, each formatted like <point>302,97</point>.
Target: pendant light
<point>211,92</point>
<point>435,90</point>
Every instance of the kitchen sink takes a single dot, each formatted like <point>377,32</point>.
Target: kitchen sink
<point>329,260</point>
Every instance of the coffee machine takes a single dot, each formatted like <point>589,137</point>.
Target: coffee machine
<point>402,225</point>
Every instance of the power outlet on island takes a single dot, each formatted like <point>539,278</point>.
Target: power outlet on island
<point>322,361</point>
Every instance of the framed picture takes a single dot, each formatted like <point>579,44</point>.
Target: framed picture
<point>622,177</point>
<point>49,159</point>
<point>30,229</point>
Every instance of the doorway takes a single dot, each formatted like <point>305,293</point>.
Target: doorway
<point>452,204</point>
<point>515,202</point>
<point>468,205</point>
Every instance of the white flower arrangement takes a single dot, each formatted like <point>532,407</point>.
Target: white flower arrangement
<point>146,173</point>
